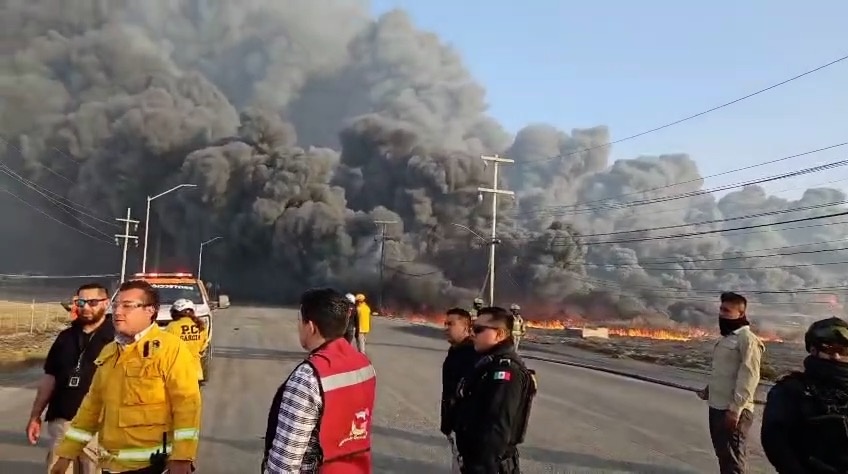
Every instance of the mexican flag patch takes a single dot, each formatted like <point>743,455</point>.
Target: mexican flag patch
<point>503,375</point>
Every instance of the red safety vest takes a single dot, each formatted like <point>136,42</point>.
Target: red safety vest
<point>349,386</point>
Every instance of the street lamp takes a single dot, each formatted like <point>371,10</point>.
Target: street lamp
<point>147,220</point>
<point>200,256</point>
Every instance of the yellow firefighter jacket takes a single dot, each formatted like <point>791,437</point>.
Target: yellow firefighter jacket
<point>195,339</point>
<point>140,391</point>
<point>363,312</point>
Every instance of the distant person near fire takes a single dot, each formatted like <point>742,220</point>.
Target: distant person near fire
<point>519,328</point>
<point>732,384</point>
<point>363,318</point>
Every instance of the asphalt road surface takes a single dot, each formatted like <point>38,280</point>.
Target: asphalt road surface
<point>583,421</point>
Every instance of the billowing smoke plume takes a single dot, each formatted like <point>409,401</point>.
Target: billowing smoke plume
<point>302,122</point>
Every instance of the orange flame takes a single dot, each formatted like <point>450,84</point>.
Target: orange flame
<point>680,334</point>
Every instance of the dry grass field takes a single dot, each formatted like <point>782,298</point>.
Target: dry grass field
<point>779,358</point>
<point>27,330</point>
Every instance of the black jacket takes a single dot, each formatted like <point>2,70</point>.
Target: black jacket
<point>492,409</point>
<point>788,438</point>
<point>459,362</point>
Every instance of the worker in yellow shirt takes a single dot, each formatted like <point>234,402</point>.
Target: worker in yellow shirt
<point>144,402</point>
<point>363,314</point>
<point>191,329</point>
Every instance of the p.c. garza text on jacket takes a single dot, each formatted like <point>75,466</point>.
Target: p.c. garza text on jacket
<point>143,390</point>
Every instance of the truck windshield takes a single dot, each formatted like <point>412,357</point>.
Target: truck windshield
<point>168,293</point>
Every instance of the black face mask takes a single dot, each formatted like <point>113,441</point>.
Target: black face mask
<point>727,326</point>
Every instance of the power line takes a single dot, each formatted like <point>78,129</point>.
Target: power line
<point>690,117</point>
<point>674,197</point>
<point>22,276</point>
<point>53,218</point>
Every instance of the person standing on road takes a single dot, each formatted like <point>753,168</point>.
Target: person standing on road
<point>494,400</point>
<point>476,307</point>
<point>458,363</point>
<point>145,389</point>
<point>805,421</point>
<point>191,329</point>
<point>320,417</point>
<point>733,384</point>
<point>363,313</point>
<point>519,326</point>
<point>352,320</point>
<point>68,372</point>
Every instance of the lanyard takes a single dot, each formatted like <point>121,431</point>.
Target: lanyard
<point>84,349</point>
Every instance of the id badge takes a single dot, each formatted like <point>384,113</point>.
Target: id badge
<point>74,382</point>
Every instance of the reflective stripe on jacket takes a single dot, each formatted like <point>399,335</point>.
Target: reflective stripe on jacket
<point>142,391</point>
<point>195,339</point>
<point>349,386</point>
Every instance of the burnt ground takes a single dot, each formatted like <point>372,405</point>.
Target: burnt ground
<point>779,358</point>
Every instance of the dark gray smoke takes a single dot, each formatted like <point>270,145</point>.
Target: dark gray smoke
<point>303,121</point>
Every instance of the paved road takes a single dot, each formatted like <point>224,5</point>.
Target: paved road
<point>583,421</point>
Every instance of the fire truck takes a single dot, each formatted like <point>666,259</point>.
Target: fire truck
<point>174,286</point>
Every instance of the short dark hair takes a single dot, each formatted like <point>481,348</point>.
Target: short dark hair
<point>734,298</point>
<point>327,309</point>
<point>499,315</point>
<point>151,295</point>
<point>93,286</point>
<point>461,312</point>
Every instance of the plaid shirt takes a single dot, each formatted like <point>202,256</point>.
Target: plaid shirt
<point>295,449</point>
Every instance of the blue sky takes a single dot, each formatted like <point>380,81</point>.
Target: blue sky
<point>636,65</point>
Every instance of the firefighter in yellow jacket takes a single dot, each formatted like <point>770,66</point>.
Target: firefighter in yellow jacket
<point>144,400</point>
<point>363,314</point>
<point>191,329</point>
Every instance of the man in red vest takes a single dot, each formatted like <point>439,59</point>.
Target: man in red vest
<point>320,418</point>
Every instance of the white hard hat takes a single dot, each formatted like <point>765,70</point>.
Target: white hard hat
<point>350,297</point>
<point>183,304</point>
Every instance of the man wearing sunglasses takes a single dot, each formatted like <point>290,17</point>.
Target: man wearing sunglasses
<point>494,400</point>
<point>68,372</point>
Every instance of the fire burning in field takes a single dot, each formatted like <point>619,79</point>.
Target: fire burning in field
<point>680,334</point>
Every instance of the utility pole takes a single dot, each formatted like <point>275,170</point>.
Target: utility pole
<point>494,191</point>
<point>382,239</point>
<point>126,237</point>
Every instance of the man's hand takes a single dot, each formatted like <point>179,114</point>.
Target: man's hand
<point>33,430</point>
<point>731,420</point>
<point>61,466</point>
<point>704,394</point>
<point>178,467</point>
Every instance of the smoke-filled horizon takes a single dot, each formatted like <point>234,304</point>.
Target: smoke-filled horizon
<point>303,121</point>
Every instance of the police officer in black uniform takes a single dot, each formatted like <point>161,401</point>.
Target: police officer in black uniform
<point>805,421</point>
<point>494,400</point>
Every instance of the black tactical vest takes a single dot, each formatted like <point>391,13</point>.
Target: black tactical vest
<point>824,429</point>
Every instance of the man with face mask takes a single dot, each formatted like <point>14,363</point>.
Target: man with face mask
<point>732,384</point>
<point>805,422</point>
<point>68,372</point>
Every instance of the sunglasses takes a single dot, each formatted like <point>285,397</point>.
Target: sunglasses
<point>91,302</point>
<point>479,328</point>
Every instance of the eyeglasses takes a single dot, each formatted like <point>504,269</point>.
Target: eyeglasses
<point>130,304</point>
<point>479,328</point>
<point>91,302</point>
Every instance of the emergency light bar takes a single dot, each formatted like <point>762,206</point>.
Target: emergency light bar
<point>156,275</point>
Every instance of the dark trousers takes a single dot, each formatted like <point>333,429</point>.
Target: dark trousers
<point>509,465</point>
<point>730,444</point>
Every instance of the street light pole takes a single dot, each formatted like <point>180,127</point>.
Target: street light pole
<point>382,239</point>
<point>147,220</point>
<point>200,256</point>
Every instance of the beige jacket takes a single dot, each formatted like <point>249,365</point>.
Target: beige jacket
<point>736,371</point>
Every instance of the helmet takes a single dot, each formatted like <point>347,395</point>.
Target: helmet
<point>478,301</point>
<point>831,331</point>
<point>351,298</point>
<point>514,307</point>
<point>182,304</point>
<point>359,297</point>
